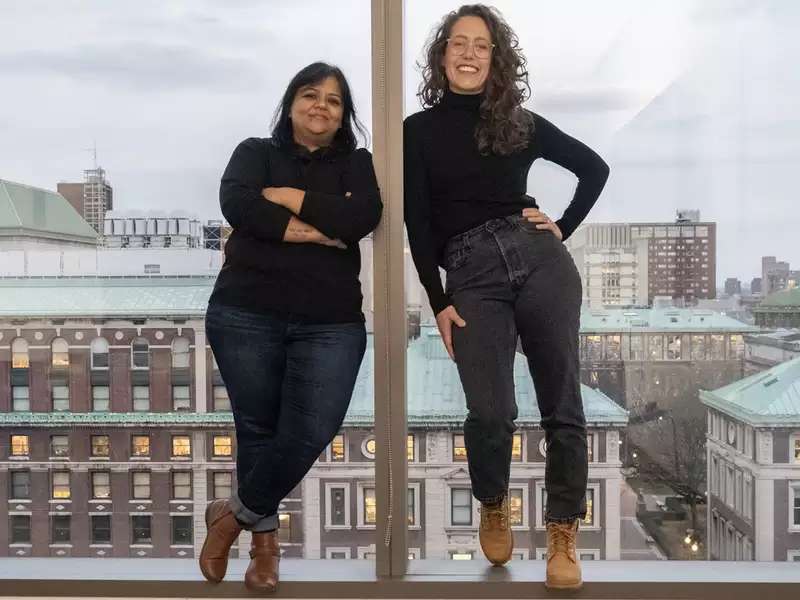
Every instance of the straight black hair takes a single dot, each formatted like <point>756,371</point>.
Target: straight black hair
<point>314,73</point>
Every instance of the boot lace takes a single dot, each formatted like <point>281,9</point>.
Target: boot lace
<point>561,538</point>
<point>494,516</point>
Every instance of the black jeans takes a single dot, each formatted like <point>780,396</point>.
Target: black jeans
<point>509,279</point>
<point>290,385</point>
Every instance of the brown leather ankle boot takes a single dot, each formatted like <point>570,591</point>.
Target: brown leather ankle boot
<point>563,568</point>
<point>494,533</point>
<point>222,531</point>
<point>265,554</point>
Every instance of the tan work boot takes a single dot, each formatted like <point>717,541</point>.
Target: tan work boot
<point>563,568</point>
<point>265,554</point>
<point>497,542</point>
<point>222,531</point>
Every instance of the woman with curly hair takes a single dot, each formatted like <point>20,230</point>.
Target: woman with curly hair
<point>467,157</point>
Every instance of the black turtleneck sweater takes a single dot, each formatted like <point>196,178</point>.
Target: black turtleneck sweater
<point>451,188</point>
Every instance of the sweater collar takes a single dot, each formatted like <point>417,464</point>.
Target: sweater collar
<point>451,99</point>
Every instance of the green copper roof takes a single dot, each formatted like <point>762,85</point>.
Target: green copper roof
<point>771,397</point>
<point>783,298</point>
<point>127,297</point>
<point>30,211</point>
<point>609,320</point>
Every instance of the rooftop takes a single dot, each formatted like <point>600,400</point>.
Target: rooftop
<point>782,299</point>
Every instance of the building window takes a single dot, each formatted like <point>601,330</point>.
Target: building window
<point>459,448</point>
<point>656,347</point>
<point>141,485</point>
<point>637,347</point>
<point>516,447</point>
<point>515,514</point>
<point>223,482</point>
<point>717,347</point>
<point>20,529</point>
<point>140,529</point>
<point>182,529</point>
<point>181,357</point>
<point>698,349</point>
<point>20,398</point>
<point>736,347</point>
<point>61,529</point>
<point>368,507</point>
<point>222,446</point>
<point>99,353</point>
<point>181,485</point>
<point>337,448</point>
<point>284,528</point>
<point>60,489</point>
<point>101,529</point>
<point>182,446</point>
<point>60,353</point>
<point>594,347</point>
<point>101,485</point>
<point>460,506</point>
<point>140,445</point>
<point>337,514</point>
<point>457,555</point>
<point>590,446</point>
<point>412,506</point>
<point>589,519</point>
<point>20,445</point>
<point>20,485</point>
<point>410,450</point>
<point>796,450</point>
<point>100,398</point>
<point>795,503</point>
<point>613,346</point>
<point>674,347</point>
<point>141,398</point>
<point>19,354</point>
<point>59,446</point>
<point>101,446</point>
<point>60,397</point>
<point>221,400</point>
<point>140,354</point>
<point>180,398</point>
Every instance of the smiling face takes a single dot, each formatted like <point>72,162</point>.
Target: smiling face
<point>467,72</point>
<point>316,113</point>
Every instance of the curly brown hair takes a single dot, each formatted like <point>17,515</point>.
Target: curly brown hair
<point>504,126</point>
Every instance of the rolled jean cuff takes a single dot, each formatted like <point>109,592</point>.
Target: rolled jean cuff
<point>251,521</point>
<point>552,519</point>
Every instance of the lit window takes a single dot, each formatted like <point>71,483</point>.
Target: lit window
<point>222,445</point>
<point>101,485</point>
<point>181,485</point>
<point>459,448</point>
<point>101,445</point>
<point>60,353</point>
<point>461,506</point>
<point>100,398</point>
<point>515,506</point>
<point>182,446</point>
<point>140,445</point>
<point>284,527</point>
<point>141,485</point>
<point>460,555</point>
<point>61,485</point>
<point>337,448</point>
<point>140,354</point>
<point>141,398</point>
<point>590,446</point>
<point>99,353</point>
<point>516,447</point>
<point>180,398</point>
<point>181,357</point>
<point>410,447</point>
<point>20,445</point>
<point>60,398</point>
<point>19,354</point>
<point>589,519</point>
<point>370,515</point>
<point>223,482</point>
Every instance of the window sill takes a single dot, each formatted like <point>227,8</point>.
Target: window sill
<point>180,578</point>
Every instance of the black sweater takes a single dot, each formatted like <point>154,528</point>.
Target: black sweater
<point>310,282</point>
<point>451,188</point>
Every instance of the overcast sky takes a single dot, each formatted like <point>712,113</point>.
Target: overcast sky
<point>692,102</point>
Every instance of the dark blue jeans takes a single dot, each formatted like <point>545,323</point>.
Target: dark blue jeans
<point>290,385</point>
<point>509,279</point>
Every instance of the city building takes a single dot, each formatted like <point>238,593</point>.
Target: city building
<point>629,264</point>
<point>733,286</point>
<point>92,198</point>
<point>216,234</point>
<point>154,229</point>
<point>755,286</point>
<point>770,348</point>
<point>780,309</point>
<point>753,464</point>
<point>777,276</point>
<point>115,432</point>
<point>37,219</point>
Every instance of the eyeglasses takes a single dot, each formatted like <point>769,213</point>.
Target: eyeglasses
<point>480,46</point>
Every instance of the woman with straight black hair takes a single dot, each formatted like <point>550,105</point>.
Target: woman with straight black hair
<point>284,320</point>
<point>467,158</point>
